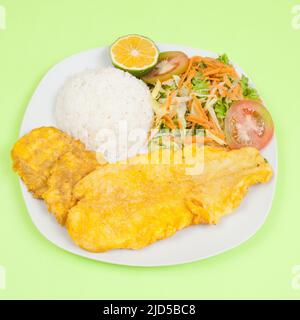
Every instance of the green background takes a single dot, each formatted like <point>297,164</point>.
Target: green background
<point>258,35</point>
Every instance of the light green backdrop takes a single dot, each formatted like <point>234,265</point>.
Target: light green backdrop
<point>256,34</point>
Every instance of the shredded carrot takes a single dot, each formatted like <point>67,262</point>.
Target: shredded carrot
<point>212,61</point>
<point>172,114</point>
<point>190,77</point>
<point>180,124</point>
<point>199,120</point>
<point>232,72</point>
<point>209,71</point>
<point>236,90</point>
<point>209,63</point>
<point>169,122</point>
<point>190,66</point>
<point>186,73</point>
<point>227,81</point>
<point>199,109</point>
<point>214,79</point>
<point>168,101</point>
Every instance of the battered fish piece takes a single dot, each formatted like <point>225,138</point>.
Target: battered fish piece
<point>36,152</point>
<point>131,206</point>
<point>65,173</point>
<point>127,207</point>
<point>50,163</point>
<point>225,180</point>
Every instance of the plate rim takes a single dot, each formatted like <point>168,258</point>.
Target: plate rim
<point>86,254</point>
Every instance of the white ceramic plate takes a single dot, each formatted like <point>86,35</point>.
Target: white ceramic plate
<point>191,244</point>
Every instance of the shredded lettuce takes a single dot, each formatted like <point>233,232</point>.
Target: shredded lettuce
<point>162,95</point>
<point>248,92</point>
<point>172,86</point>
<point>224,58</point>
<point>221,108</point>
<point>201,65</point>
<point>200,85</point>
<point>156,89</point>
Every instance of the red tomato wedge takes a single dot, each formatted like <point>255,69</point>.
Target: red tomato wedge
<point>248,124</point>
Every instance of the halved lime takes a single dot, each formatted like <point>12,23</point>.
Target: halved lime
<point>135,54</point>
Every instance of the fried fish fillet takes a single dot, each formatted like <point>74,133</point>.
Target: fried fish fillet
<point>50,163</point>
<point>36,152</point>
<point>225,180</point>
<point>134,205</point>
<point>65,173</point>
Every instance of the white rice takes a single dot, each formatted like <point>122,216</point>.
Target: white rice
<point>96,106</point>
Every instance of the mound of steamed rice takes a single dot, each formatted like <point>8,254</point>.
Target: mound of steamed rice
<point>108,109</point>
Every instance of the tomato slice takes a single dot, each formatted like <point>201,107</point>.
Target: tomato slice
<point>169,63</point>
<point>248,123</point>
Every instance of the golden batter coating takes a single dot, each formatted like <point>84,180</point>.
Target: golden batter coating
<point>131,206</point>
<point>135,203</point>
<point>50,163</point>
<point>65,173</point>
<point>36,152</point>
